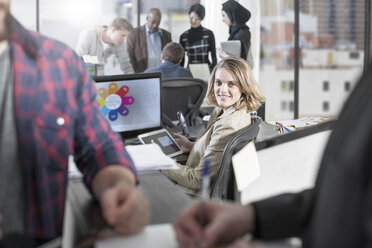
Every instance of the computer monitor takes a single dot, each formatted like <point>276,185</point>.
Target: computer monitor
<point>130,102</point>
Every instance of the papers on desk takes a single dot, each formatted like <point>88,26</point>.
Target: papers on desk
<point>90,59</point>
<point>246,166</point>
<point>150,157</point>
<point>155,236</point>
<point>302,122</point>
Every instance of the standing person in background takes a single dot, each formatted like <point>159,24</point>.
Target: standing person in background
<point>198,41</point>
<point>235,17</point>
<point>145,43</point>
<point>105,41</point>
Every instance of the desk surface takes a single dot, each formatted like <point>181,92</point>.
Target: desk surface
<point>166,199</point>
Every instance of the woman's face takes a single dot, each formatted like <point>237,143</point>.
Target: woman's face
<point>227,90</point>
<point>226,19</point>
<point>194,20</point>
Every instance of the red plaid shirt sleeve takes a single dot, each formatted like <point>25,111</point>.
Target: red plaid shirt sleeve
<point>56,115</point>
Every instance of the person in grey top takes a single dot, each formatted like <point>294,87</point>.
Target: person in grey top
<point>106,41</point>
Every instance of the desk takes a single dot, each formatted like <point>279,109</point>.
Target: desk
<point>166,199</point>
<point>82,214</point>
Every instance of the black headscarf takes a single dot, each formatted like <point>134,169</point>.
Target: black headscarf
<point>238,15</point>
<point>236,12</point>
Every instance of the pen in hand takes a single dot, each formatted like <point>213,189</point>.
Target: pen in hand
<point>204,192</point>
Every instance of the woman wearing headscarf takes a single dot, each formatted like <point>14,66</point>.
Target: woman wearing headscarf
<point>235,17</point>
<point>198,41</point>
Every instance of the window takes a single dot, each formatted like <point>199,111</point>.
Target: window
<point>283,85</point>
<point>277,61</point>
<point>26,18</point>
<point>291,106</point>
<point>334,54</point>
<point>347,86</point>
<point>291,85</point>
<point>325,86</point>
<point>283,105</point>
<point>325,106</point>
<point>354,55</point>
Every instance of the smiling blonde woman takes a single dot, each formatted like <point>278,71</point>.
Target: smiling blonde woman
<point>234,93</point>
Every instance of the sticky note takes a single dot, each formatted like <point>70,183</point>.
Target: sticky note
<point>246,166</point>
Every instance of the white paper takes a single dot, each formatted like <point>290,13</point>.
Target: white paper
<point>155,236</point>
<point>90,59</point>
<point>73,171</point>
<point>246,166</point>
<point>150,157</point>
<point>200,71</point>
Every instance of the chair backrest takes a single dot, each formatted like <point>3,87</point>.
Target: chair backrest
<point>181,94</point>
<point>223,187</point>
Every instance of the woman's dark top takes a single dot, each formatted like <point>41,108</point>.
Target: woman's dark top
<point>243,34</point>
<point>198,42</point>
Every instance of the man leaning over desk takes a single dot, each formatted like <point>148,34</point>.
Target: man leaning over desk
<point>48,111</point>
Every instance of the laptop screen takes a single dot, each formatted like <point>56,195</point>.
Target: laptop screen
<point>130,102</point>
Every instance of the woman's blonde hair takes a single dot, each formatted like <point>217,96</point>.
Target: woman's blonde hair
<point>251,97</point>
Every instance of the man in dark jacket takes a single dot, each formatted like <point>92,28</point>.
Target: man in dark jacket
<point>145,43</point>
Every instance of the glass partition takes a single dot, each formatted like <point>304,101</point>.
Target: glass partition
<point>277,58</point>
<point>26,18</point>
<point>331,54</point>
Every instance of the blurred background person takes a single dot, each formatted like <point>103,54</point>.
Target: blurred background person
<point>106,41</point>
<point>198,41</point>
<point>235,17</point>
<point>171,58</point>
<point>145,43</point>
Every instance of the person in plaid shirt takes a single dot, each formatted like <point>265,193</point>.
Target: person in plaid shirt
<point>47,112</point>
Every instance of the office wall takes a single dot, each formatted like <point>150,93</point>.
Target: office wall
<point>288,167</point>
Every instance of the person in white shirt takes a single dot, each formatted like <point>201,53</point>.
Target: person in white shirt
<point>105,41</point>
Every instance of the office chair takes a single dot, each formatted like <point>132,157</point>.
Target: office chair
<point>181,94</point>
<point>224,187</point>
<point>261,111</point>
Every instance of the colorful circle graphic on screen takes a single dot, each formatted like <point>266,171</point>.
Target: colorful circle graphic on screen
<point>114,101</point>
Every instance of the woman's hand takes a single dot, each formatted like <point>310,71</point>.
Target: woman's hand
<point>185,144</point>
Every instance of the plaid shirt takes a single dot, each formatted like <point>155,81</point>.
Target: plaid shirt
<point>56,115</point>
